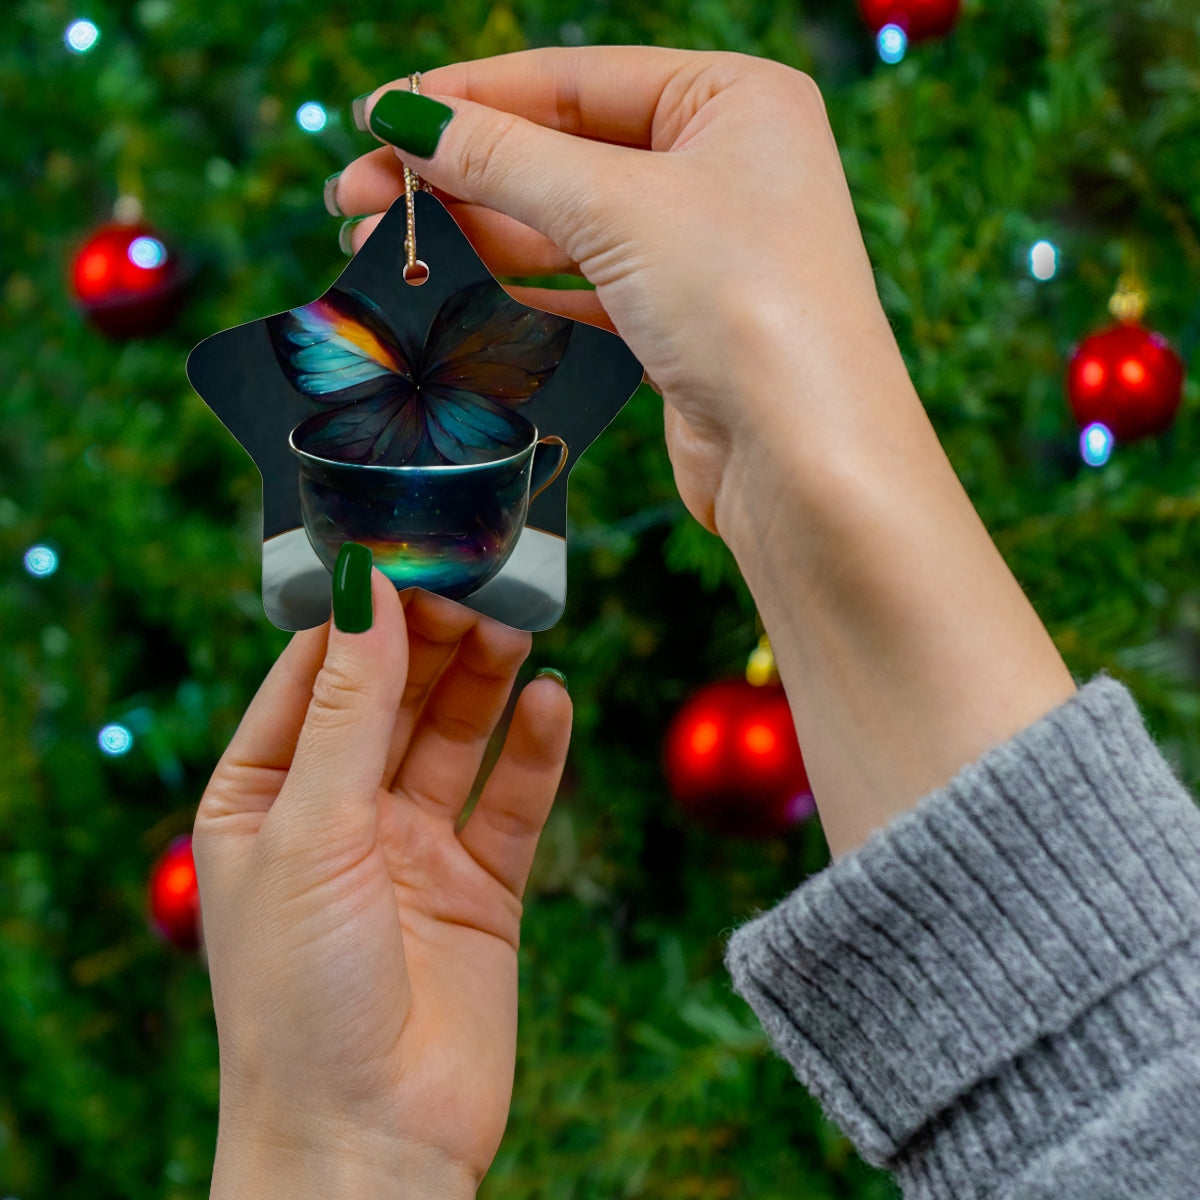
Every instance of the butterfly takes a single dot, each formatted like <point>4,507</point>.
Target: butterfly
<point>452,399</point>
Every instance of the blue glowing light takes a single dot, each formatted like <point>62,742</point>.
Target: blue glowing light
<point>41,561</point>
<point>147,253</point>
<point>81,36</point>
<point>115,740</point>
<point>1096,444</point>
<point>892,43</point>
<point>1043,260</point>
<point>311,117</point>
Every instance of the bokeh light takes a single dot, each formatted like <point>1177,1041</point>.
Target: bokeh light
<point>41,561</point>
<point>311,117</point>
<point>705,737</point>
<point>759,738</point>
<point>892,43</point>
<point>801,806</point>
<point>147,252</point>
<point>1096,444</point>
<point>1043,260</point>
<point>81,36</point>
<point>115,740</point>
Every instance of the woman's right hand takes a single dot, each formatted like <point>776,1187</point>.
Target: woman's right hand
<point>701,193</point>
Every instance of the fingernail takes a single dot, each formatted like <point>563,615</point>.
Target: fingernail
<point>557,676</point>
<point>352,609</point>
<point>358,110</point>
<point>329,193</point>
<point>414,123</point>
<point>344,243</point>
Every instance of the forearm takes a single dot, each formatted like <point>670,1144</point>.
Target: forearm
<point>906,645</point>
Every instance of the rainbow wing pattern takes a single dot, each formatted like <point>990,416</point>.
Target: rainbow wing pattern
<point>450,402</point>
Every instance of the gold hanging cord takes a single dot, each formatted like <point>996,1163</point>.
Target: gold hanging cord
<point>415,271</point>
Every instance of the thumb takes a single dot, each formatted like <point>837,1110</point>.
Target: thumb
<point>499,160</point>
<point>343,745</point>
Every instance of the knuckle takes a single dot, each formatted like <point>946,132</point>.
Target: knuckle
<point>338,692</point>
<point>568,108</point>
<point>809,90</point>
<point>477,158</point>
<point>458,727</point>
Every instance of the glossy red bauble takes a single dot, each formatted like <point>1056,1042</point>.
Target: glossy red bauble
<point>919,19</point>
<point>1127,378</point>
<point>126,281</point>
<point>175,896</point>
<point>733,762</point>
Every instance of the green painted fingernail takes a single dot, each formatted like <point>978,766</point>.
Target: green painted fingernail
<point>344,243</point>
<point>329,194</point>
<point>352,608</point>
<point>414,123</point>
<point>557,676</point>
<point>358,110</point>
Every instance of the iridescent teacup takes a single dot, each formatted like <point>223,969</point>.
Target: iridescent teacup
<point>448,528</point>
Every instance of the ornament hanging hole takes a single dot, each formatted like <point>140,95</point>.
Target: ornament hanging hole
<point>416,273</point>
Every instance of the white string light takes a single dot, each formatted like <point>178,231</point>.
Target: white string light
<point>311,117</point>
<point>81,36</point>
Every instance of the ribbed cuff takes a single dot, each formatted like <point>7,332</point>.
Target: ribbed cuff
<point>997,961</point>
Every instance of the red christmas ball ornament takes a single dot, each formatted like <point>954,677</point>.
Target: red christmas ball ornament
<point>733,762</point>
<point>175,896</point>
<point>920,19</point>
<point>1128,379</point>
<point>126,280</point>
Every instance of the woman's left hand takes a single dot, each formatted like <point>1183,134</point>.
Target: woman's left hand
<point>363,950</point>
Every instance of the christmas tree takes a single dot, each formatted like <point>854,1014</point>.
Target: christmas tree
<point>1007,175</point>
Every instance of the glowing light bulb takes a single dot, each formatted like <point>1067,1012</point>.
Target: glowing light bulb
<point>1096,444</point>
<point>892,43</point>
<point>115,740</point>
<point>81,36</point>
<point>147,253</point>
<point>311,117</point>
<point>41,561</point>
<point>1043,260</point>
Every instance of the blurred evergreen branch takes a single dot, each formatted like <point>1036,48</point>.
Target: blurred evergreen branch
<point>640,1073</point>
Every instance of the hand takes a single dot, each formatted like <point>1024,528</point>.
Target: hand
<point>734,242</point>
<point>704,196</point>
<point>363,954</point>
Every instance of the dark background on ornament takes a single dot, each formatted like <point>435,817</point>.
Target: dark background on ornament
<point>237,374</point>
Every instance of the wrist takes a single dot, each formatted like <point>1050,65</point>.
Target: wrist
<point>821,412</point>
<point>312,1160</point>
<point>906,646</point>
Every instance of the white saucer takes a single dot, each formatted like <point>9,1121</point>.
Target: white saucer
<point>529,593</point>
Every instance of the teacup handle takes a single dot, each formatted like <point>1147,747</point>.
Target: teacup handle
<point>549,458</point>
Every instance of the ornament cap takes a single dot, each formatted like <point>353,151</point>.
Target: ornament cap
<point>127,210</point>
<point>1128,303</point>
<point>760,666</point>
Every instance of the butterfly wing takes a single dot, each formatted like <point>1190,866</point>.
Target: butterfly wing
<point>384,430</point>
<point>340,349</point>
<point>484,342</point>
<point>484,356</point>
<point>463,427</point>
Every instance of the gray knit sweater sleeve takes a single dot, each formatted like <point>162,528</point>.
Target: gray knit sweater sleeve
<point>998,996</point>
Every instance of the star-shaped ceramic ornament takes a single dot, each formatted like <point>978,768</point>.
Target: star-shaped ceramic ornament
<point>436,424</point>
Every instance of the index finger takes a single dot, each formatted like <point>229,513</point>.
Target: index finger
<point>607,93</point>
<point>260,751</point>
